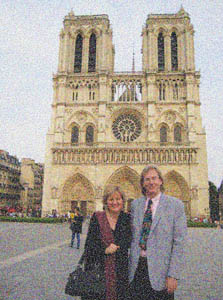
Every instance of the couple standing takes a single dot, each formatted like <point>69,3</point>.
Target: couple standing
<point>155,235</point>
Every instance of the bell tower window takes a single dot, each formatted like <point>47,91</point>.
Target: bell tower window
<point>92,53</point>
<point>78,54</point>
<point>174,58</point>
<point>161,59</point>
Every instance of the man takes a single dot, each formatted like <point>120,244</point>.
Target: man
<point>159,229</point>
<point>76,227</point>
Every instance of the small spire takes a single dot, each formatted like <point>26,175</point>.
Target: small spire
<point>71,13</point>
<point>133,61</point>
<point>182,11</point>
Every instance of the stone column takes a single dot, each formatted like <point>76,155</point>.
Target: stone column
<point>85,54</point>
<point>180,52</point>
<point>187,52</point>
<point>152,51</point>
<point>61,49</point>
<point>167,51</point>
<point>191,50</point>
<point>65,53</point>
<point>102,52</point>
<point>145,53</point>
<point>71,54</point>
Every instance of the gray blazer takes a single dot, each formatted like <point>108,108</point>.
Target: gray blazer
<point>166,240</point>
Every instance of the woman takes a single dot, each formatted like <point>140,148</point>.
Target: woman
<point>76,227</point>
<point>116,253</point>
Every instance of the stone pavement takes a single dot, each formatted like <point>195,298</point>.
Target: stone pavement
<point>35,260</point>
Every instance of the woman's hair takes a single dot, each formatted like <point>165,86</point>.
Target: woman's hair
<point>143,174</point>
<point>111,190</point>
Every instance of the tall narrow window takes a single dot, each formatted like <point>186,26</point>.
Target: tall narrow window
<point>162,92</point>
<point>163,134</point>
<point>177,134</point>
<point>78,54</point>
<point>175,92</point>
<point>174,58</point>
<point>75,135</point>
<point>89,135</point>
<point>113,92</point>
<point>161,60</point>
<point>92,53</point>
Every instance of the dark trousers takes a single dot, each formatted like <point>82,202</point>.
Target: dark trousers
<point>78,239</point>
<point>140,287</point>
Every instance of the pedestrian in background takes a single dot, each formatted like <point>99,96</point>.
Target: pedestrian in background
<point>76,227</point>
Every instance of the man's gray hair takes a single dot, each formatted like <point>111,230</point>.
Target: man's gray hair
<point>143,174</point>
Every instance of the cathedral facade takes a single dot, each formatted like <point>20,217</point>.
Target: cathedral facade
<point>106,126</point>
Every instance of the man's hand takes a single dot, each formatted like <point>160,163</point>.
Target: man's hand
<point>112,248</point>
<point>171,284</point>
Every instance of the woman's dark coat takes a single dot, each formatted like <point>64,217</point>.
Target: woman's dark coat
<point>95,250</point>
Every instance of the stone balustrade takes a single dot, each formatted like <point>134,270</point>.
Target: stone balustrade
<point>89,156</point>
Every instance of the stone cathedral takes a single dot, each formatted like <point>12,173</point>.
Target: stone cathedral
<point>106,126</point>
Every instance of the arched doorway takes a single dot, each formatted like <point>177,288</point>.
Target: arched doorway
<point>77,192</point>
<point>128,180</point>
<point>175,185</point>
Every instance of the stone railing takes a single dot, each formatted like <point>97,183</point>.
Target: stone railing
<point>127,86</point>
<point>89,156</point>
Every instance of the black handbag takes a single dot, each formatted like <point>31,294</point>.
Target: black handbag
<point>86,283</point>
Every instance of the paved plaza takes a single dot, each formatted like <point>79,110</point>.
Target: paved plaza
<point>35,260</point>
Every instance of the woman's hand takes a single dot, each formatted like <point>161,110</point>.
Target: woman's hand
<point>171,284</point>
<point>112,248</point>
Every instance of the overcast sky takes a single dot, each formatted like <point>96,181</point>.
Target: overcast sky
<point>29,55</point>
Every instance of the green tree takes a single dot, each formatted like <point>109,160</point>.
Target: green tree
<point>213,201</point>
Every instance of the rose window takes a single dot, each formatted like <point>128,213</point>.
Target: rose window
<point>126,128</point>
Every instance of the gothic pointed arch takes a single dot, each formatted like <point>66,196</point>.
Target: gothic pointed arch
<point>75,134</point>
<point>175,185</point>
<point>89,136</point>
<point>177,133</point>
<point>163,133</point>
<point>92,53</point>
<point>78,54</point>
<point>78,191</point>
<point>174,52</point>
<point>128,180</point>
<point>160,47</point>
<point>171,117</point>
<point>81,117</point>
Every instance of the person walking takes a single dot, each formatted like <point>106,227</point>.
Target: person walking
<point>76,227</point>
<point>107,243</point>
<point>159,233</point>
